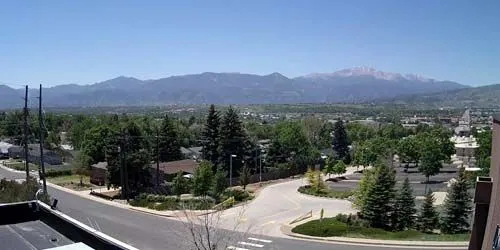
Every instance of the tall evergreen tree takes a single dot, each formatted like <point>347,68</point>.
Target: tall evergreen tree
<point>377,206</point>
<point>169,145</point>
<point>457,207</point>
<point>404,208</point>
<point>232,141</point>
<point>340,141</point>
<point>211,137</point>
<point>135,157</point>
<point>428,217</point>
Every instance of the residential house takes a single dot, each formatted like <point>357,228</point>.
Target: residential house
<point>168,170</point>
<point>49,157</point>
<point>98,173</point>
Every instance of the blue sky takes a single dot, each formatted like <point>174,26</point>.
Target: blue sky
<point>56,42</point>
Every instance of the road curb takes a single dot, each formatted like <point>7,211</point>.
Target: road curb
<point>13,170</point>
<point>151,212</point>
<point>287,230</point>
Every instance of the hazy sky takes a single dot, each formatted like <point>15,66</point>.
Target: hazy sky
<point>55,42</point>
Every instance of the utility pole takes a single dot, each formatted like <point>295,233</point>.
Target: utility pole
<point>157,158</point>
<point>25,114</point>
<point>121,168</point>
<point>125,170</point>
<point>42,164</point>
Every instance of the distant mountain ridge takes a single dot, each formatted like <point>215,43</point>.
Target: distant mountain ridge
<point>354,85</point>
<point>487,96</point>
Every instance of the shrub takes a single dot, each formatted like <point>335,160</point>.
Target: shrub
<point>56,173</point>
<point>329,193</point>
<point>326,228</point>
<point>238,194</point>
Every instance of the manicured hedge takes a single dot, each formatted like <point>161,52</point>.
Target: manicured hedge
<point>327,227</point>
<point>56,173</point>
<point>329,193</point>
<point>164,202</point>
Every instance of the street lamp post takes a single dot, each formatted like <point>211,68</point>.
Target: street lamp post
<point>231,170</point>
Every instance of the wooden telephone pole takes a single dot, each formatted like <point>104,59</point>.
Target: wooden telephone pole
<point>25,133</point>
<point>42,130</point>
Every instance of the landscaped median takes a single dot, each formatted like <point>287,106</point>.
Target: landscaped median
<point>229,198</point>
<point>348,228</point>
<point>328,193</point>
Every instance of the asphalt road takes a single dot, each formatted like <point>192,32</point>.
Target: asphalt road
<point>146,231</point>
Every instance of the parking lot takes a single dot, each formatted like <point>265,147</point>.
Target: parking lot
<point>438,183</point>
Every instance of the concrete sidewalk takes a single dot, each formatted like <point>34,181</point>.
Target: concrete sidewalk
<point>287,230</point>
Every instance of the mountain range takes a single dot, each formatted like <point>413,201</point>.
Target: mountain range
<point>353,85</point>
<point>487,96</point>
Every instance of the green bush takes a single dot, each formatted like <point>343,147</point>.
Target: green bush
<point>325,228</point>
<point>163,202</point>
<point>56,173</point>
<point>238,194</point>
<point>328,193</point>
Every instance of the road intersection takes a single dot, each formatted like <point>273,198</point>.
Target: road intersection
<point>146,231</point>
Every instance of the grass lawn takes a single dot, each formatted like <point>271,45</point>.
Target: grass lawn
<point>17,165</point>
<point>329,193</point>
<point>332,227</point>
<point>71,181</point>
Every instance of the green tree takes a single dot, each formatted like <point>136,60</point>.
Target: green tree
<point>96,140</point>
<point>211,136</point>
<point>203,179</point>
<point>377,206</point>
<point>245,177</point>
<point>340,141</point>
<point>315,180</point>
<point>219,183</point>
<point>329,166</point>
<point>135,158</point>
<point>339,168</point>
<point>457,207</point>
<point>430,158</point>
<point>233,141</point>
<point>428,217</point>
<point>364,185</point>
<point>404,208</point>
<point>169,146</point>
<point>291,144</point>
<point>180,185</point>
<point>408,150</point>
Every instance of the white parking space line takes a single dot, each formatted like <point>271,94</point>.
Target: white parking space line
<point>250,244</point>
<point>237,248</point>
<point>261,240</point>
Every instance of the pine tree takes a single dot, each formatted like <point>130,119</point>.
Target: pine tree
<point>211,137</point>
<point>232,141</point>
<point>377,206</point>
<point>428,217</point>
<point>340,141</point>
<point>457,207</point>
<point>404,208</point>
<point>169,145</point>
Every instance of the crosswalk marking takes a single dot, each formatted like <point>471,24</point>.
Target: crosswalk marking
<point>250,244</point>
<point>261,240</point>
<point>236,248</point>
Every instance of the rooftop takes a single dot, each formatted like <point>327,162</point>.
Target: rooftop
<point>35,225</point>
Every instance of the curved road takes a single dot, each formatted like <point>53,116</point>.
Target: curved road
<point>146,231</point>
